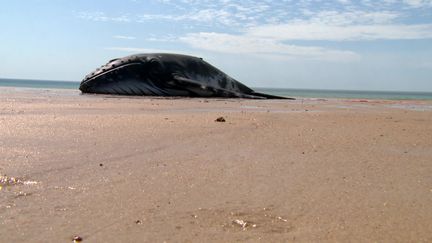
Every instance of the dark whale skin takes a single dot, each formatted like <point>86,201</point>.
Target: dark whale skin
<point>160,74</point>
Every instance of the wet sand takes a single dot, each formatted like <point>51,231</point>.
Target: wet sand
<point>162,170</point>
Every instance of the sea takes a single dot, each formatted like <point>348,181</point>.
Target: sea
<point>297,93</point>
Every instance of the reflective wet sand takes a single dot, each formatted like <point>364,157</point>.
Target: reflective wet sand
<point>132,169</point>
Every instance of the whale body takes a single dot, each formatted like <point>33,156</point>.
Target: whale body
<point>161,74</point>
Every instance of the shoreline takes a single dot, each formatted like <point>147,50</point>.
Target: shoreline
<point>155,169</point>
<point>40,91</point>
<point>297,93</point>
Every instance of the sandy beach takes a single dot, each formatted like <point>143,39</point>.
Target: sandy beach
<point>134,169</point>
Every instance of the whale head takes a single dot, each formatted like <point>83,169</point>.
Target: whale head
<point>128,69</point>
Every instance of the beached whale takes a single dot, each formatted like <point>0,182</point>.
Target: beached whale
<point>160,74</point>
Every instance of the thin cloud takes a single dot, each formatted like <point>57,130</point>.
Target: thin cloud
<point>238,44</point>
<point>426,65</point>
<point>207,16</point>
<point>266,28</point>
<point>146,50</point>
<point>103,17</point>
<point>418,3</point>
<point>343,26</point>
<point>163,38</point>
<point>124,37</point>
<point>236,14</point>
<point>312,31</point>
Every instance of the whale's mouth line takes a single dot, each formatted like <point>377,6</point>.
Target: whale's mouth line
<point>85,81</point>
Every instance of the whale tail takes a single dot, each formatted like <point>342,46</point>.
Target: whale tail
<point>267,96</point>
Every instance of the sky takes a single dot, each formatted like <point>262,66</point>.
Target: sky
<point>312,44</point>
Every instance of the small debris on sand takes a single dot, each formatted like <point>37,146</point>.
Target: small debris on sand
<point>12,181</point>
<point>30,182</point>
<point>9,181</point>
<point>282,219</point>
<point>22,194</point>
<point>77,239</point>
<point>220,119</point>
<point>243,224</point>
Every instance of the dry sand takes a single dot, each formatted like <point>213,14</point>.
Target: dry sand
<point>115,169</point>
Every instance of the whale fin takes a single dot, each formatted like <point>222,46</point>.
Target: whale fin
<point>228,93</point>
<point>181,79</point>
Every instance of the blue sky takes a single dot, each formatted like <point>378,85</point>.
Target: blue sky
<point>336,44</point>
